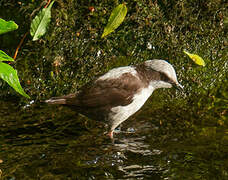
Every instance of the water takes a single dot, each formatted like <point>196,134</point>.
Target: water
<point>52,142</point>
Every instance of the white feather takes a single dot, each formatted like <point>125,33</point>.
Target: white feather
<point>117,72</point>
<point>121,113</point>
<point>164,67</point>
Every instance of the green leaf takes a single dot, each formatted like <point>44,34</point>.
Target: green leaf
<point>6,26</point>
<point>197,59</point>
<point>40,23</point>
<point>8,74</point>
<point>5,57</point>
<point>116,18</point>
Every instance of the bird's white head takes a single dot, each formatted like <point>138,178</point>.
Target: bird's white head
<point>166,70</point>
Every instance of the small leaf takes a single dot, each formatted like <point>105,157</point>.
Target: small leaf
<point>5,57</point>
<point>116,18</point>
<point>197,59</point>
<point>6,26</point>
<point>40,23</point>
<point>8,74</point>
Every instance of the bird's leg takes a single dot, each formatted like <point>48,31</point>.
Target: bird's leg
<point>114,130</point>
<point>110,134</point>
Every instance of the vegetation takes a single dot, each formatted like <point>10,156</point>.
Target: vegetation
<point>116,18</point>
<point>40,23</point>
<point>7,73</point>
<point>197,59</point>
<point>38,28</point>
<point>7,26</point>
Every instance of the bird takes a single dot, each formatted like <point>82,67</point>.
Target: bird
<point>118,94</point>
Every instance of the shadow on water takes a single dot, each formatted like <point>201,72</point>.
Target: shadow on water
<point>52,142</point>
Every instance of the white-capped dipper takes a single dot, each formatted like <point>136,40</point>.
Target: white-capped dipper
<point>122,91</point>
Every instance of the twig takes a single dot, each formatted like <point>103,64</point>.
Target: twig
<point>22,40</point>
<point>47,4</point>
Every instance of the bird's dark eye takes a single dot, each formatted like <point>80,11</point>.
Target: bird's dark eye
<point>165,78</point>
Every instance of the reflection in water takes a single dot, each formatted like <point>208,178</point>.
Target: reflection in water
<point>137,146</point>
<point>125,150</point>
<point>43,142</point>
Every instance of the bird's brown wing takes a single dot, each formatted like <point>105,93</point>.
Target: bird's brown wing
<point>112,92</point>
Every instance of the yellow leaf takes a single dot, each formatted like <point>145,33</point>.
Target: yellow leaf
<point>197,59</point>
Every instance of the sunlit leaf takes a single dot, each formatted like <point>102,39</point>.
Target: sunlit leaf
<point>116,18</point>
<point>8,74</point>
<point>6,26</point>
<point>5,57</point>
<point>197,59</point>
<point>40,23</point>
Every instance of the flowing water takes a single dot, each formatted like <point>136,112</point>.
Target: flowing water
<point>52,142</point>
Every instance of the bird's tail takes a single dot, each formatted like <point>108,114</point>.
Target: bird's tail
<point>61,99</point>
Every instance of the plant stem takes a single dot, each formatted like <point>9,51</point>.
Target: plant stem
<point>47,4</point>
<point>18,47</point>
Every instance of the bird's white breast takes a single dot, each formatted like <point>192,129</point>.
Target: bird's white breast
<point>121,113</point>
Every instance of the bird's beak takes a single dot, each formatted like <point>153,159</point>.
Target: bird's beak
<point>179,86</point>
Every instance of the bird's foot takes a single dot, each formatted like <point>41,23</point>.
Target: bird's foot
<point>110,134</point>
